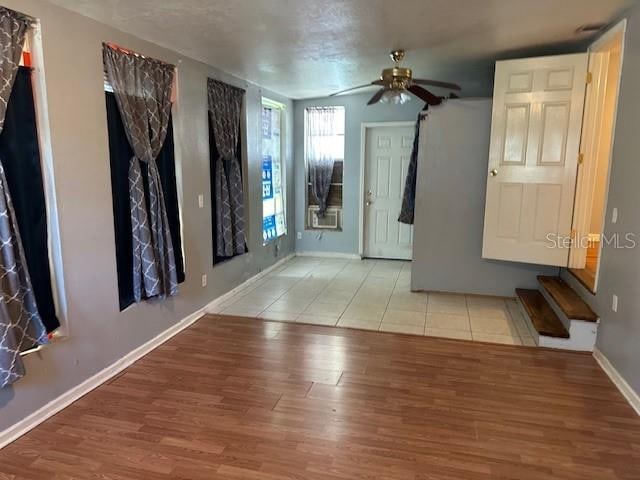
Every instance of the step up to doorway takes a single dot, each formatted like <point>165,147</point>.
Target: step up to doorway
<point>566,298</point>
<point>558,317</point>
<point>542,317</point>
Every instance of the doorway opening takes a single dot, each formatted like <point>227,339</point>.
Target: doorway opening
<point>596,146</point>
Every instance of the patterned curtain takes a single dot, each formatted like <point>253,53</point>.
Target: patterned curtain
<point>225,109</point>
<point>323,149</point>
<point>409,195</point>
<point>20,324</point>
<point>142,87</point>
<point>224,240</point>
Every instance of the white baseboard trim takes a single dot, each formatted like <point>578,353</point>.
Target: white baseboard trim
<point>629,393</point>
<point>350,256</point>
<point>70,396</point>
<point>36,418</point>
<point>211,307</point>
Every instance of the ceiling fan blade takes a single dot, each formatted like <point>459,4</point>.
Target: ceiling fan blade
<point>376,98</point>
<point>436,83</point>
<point>425,95</point>
<point>375,82</point>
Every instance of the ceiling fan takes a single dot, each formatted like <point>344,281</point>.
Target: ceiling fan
<point>398,82</point>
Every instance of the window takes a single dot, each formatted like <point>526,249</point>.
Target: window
<point>21,160</point>
<point>227,114</point>
<point>120,153</point>
<point>325,136</point>
<point>274,221</point>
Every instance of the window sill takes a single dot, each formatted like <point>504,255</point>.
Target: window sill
<point>312,229</point>
<point>55,338</point>
<point>269,242</point>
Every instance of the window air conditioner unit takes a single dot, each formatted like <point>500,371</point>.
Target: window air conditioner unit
<point>331,221</point>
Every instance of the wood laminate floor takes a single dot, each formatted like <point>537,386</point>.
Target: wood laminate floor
<point>232,398</point>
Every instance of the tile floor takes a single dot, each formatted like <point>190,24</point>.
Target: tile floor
<point>374,295</point>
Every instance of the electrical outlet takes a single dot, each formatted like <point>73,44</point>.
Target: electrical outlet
<point>614,303</point>
<point>204,280</point>
<point>614,215</point>
<point>200,200</point>
<point>299,236</point>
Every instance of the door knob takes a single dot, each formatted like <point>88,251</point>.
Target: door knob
<point>368,203</point>
<point>493,172</point>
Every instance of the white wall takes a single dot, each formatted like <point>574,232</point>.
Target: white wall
<point>99,333</point>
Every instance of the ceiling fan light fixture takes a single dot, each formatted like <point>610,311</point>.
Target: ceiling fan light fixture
<point>395,97</point>
<point>396,85</point>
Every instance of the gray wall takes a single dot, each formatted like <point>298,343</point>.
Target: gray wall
<point>619,332</point>
<point>356,112</point>
<point>99,333</point>
<point>450,199</point>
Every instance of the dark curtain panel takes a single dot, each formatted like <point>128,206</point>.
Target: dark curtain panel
<point>119,149</point>
<point>20,155</point>
<point>409,194</point>
<point>213,158</point>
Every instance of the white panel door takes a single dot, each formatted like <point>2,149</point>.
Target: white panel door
<point>387,155</point>
<point>533,158</point>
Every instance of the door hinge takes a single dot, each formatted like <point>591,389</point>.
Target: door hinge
<point>589,77</point>
<point>580,158</point>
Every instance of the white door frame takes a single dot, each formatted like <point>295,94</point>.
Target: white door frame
<point>586,178</point>
<point>363,158</point>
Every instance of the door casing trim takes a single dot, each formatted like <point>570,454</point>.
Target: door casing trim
<point>580,218</point>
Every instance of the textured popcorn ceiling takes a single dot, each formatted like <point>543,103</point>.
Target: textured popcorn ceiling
<point>309,48</point>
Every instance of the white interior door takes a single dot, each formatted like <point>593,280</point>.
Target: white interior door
<point>533,158</point>
<point>387,155</point>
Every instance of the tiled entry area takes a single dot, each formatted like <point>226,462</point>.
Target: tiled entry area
<point>374,295</point>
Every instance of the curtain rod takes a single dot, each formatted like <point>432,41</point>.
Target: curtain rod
<point>126,51</point>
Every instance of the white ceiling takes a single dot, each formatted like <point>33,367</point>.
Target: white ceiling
<point>310,48</point>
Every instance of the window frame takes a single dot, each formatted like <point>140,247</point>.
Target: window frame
<point>34,46</point>
<point>339,208</point>
<point>273,104</point>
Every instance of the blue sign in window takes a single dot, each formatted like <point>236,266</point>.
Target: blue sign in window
<point>269,228</point>
<point>267,177</point>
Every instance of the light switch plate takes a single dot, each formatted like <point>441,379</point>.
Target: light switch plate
<point>204,280</point>
<point>614,303</point>
<point>200,200</point>
<point>614,215</point>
